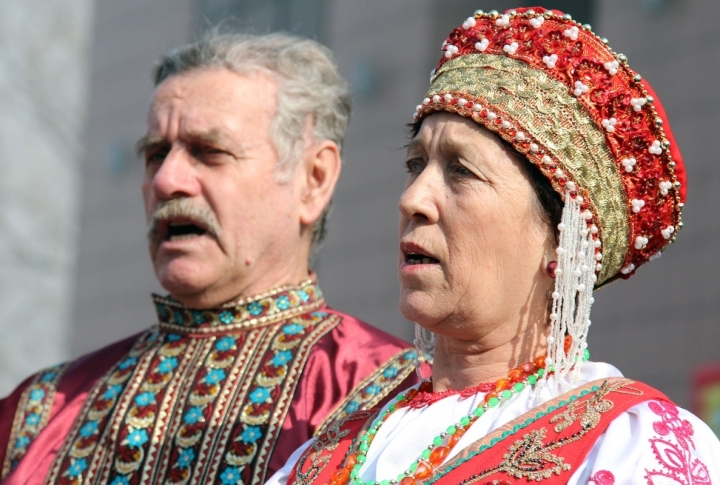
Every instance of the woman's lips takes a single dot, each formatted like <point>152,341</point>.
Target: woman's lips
<point>415,255</point>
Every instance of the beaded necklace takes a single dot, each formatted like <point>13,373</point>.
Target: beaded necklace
<point>433,456</point>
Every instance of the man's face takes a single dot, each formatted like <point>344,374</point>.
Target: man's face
<point>221,223</point>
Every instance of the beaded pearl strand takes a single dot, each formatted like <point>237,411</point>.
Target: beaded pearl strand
<point>434,455</point>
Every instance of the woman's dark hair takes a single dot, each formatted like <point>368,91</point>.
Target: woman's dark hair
<point>551,205</point>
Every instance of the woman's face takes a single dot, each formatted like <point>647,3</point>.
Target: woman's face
<point>473,247</point>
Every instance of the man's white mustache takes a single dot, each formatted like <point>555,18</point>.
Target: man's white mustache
<point>185,207</point>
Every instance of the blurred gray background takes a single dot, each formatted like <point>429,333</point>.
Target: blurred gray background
<point>74,88</point>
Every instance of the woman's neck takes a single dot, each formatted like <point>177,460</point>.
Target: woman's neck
<point>459,364</point>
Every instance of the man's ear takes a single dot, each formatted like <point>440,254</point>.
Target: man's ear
<point>321,169</point>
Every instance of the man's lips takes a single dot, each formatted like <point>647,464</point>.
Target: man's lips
<point>414,254</point>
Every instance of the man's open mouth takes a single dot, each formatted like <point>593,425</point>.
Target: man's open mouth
<point>177,231</point>
<point>419,258</point>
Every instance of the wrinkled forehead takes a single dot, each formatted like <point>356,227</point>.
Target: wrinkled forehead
<point>212,106</point>
<point>213,96</point>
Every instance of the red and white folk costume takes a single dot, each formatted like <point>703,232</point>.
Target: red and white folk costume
<point>207,396</point>
<point>572,107</point>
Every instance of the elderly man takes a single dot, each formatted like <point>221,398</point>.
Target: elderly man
<point>242,154</point>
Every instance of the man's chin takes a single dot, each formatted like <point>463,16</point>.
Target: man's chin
<point>184,280</point>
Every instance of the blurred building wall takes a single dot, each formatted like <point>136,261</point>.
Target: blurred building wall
<point>654,327</point>
<point>44,63</point>
<point>115,278</point>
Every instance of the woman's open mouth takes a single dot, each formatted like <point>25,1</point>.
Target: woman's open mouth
<point>419,258</point>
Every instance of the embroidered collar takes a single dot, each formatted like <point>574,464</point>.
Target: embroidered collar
<point>271,307</point>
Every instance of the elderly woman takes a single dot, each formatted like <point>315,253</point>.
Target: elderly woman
<point>541,167</point>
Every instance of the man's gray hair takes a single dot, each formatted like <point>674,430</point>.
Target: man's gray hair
<point>310,89</point>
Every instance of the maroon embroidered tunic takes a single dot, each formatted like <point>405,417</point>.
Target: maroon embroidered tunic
<point>207,396</point>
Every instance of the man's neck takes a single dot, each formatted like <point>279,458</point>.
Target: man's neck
<point>216,297</point>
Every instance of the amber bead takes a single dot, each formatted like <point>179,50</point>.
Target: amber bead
<point>401,404</point>
<point>407,481</point>
<point>423,470</point>
<point>516,375</point>
<point>341,476</point>
<point>502,384</point>
<point>568,343</point>
<point>410,394</point>
<point>456,437</point>
<point>426,386</point>
<point>351,461</point>
<point>438,454</point>
<point>490,395</point>
<point>540,362</point>
<point>528,367</point>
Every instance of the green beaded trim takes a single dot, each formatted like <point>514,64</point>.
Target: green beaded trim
<point>512,431</point>
<point>464,423</point>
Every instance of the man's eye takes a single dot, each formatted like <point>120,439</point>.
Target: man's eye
<point>209,151</point>
<point>155,157</point>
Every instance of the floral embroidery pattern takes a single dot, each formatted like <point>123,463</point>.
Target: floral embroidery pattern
<point>32,414</point>
<point>268,308</point>
<point>268,394</point>
<point>179,408</point>
<point>673,449</point>
<point>603,477</point>
<point>145,409</point>
<point>72,462</point>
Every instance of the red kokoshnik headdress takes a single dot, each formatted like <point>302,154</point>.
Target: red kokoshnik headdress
<point>574,108</point>
<point>595,129</point>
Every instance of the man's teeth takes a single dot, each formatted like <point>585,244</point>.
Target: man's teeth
<point>180,237</point>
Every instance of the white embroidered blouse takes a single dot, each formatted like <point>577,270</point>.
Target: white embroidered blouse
<point>651,443</point>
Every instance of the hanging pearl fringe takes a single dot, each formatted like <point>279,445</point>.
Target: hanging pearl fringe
<point>425,344</point>
<point>573,295</point>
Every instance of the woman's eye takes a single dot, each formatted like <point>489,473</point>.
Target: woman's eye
<point>414,166</point>
<point>462,170</point>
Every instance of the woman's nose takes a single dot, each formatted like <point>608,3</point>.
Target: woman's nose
<point>419,200</point>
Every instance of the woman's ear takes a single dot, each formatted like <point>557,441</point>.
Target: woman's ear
<point>322,166</point>
<point>549,259</point>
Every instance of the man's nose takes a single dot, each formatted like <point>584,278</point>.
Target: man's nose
<point>176,177</point>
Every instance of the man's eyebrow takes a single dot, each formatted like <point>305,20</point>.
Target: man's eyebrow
<point>209,137</point>
<point>147,142</point>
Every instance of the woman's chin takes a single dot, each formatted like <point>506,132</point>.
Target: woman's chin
<point>418,307</point>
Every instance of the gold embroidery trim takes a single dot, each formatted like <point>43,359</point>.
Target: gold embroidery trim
<point>46,381</point>
<point>320,450</point>
<point>529,457</point>
<point>531,97</point>
<point>404,371</point>
<point>247,324</point>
